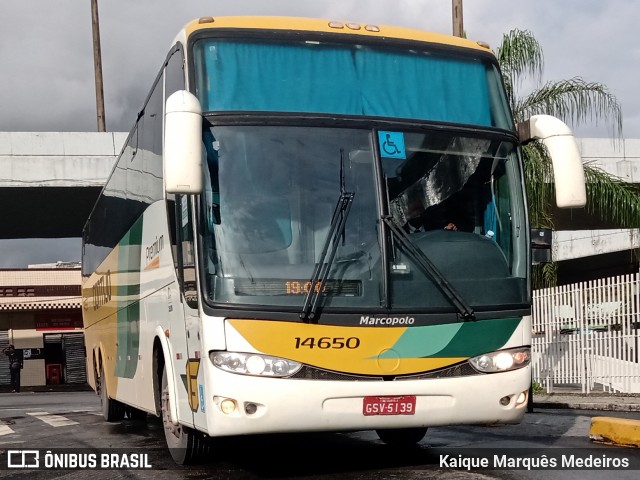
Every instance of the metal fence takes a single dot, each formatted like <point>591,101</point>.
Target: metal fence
<point>588,335</point>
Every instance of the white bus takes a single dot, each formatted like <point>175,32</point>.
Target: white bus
<point>317,226</point>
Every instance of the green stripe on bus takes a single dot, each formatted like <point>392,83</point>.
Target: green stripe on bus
<point>129,251</point>
<point>466,339</point>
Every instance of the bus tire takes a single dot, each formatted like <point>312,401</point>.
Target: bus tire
<point>112,410</point>
<point>186,446</point>
<point>135,414</point>
<point>402,437</point>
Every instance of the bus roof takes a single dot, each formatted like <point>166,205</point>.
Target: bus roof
<point>329,26</point>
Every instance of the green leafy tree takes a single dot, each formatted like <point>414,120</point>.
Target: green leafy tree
<point>575,101</point>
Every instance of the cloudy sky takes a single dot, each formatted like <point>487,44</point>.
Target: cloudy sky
<point>46,57</point>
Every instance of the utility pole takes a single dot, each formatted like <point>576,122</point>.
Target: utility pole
<point>458,27</point>
<point>97,63</point>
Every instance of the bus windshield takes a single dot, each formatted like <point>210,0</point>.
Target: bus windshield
<point>349,79</point>
<point>271,192</point>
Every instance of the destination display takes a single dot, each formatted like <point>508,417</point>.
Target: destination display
<point>334,288</point>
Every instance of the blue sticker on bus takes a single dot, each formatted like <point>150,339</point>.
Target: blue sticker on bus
<point>392,144</point>
<point>201,390</point>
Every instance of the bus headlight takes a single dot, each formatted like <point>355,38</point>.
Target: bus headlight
<point>502,361</point>
<point>254,364</point>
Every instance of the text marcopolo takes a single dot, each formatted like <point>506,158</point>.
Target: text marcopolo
<point>387,321</point>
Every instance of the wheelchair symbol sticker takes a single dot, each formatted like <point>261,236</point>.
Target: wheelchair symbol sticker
<point>392,145</point>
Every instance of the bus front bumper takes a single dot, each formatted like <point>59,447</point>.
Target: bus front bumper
<point>253,405</point>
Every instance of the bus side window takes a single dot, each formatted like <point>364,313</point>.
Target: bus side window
<point>186,253</point>
<point>174,73</point>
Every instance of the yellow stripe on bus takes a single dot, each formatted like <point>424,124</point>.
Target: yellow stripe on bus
<point>322,25</point>
<point>344,349</point>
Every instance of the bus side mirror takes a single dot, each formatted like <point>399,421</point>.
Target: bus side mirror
<point>565,157</point>
<point>183,144</point>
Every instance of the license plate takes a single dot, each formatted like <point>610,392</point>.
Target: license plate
<point>400,405</point>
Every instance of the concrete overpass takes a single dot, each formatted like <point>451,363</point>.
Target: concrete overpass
<point>49,181</point>
<point>583,235</point>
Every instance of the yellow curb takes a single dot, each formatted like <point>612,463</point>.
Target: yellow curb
<point>617,431</point>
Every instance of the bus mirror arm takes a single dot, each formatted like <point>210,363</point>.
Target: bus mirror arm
<point>561,145</point>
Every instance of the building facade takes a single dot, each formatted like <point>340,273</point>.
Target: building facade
<point>40,314</point>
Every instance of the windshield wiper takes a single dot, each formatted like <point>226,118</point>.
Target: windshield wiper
<point>465,312</point>
<point>331,242</point>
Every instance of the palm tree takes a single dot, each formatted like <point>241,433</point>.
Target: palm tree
<point>575,101</point>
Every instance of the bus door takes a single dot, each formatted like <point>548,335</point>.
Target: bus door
<point>188,365</point>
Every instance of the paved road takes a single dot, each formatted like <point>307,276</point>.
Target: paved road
<point>71,420</point>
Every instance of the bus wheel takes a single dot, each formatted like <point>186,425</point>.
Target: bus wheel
<point>402,437</point>
<point>135,414</point>
<point>185,445</point>
<point>112,410</point>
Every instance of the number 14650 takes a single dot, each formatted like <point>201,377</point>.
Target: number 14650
<point>327,342</point>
